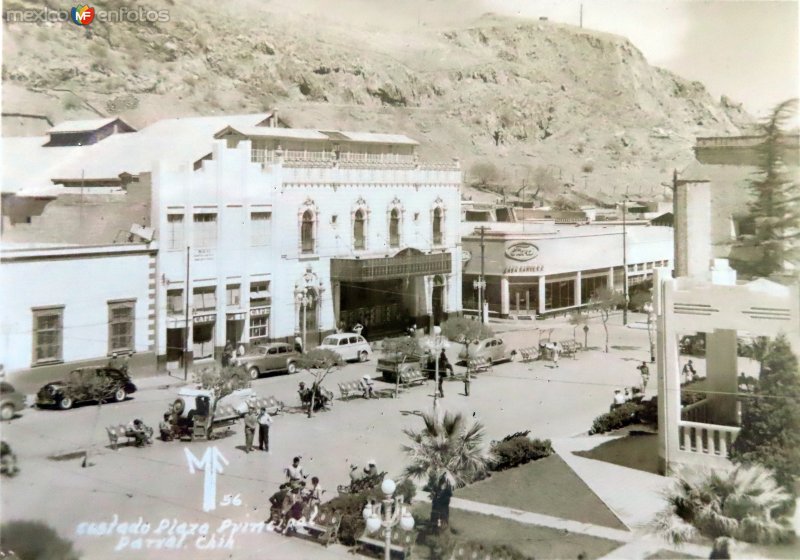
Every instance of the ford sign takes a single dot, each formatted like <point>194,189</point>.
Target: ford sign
<point>466,256</point>
<point>522,251</point>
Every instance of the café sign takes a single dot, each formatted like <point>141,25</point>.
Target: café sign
<point>522,251</point>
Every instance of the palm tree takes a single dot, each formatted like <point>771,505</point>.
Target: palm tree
<point>744,504</point>
<point>448,453</point>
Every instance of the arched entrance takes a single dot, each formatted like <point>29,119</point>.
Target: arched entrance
<point>437,299</point>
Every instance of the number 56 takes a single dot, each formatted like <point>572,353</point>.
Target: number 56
<point>231,500</point>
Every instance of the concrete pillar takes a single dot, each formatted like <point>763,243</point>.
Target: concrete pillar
<point>692,204</point>
<point>542,280</point>
<point>668,366</point>
<point>611,278</point>
<point>721,374</point>
<point>504,297</point>
<point>336,288</point>
<point>578,288</point>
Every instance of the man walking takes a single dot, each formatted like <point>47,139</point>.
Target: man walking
<point>250,425</point>
<point>264,422</point>
<point>556,351</point>
<point>644,371</point>
<point>466,382</point>
<point>295,473</point>
<point>688,372</point>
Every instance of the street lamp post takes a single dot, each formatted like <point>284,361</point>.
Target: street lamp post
<point>304,301</point>
<point>388,515</point>
<point>435,345</point>
<point>480,285</point>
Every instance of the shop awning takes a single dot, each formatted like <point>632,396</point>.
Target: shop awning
<point>400,266</point>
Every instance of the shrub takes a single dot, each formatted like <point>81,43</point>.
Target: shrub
<point>34,539</point>
<point>587,167</point>
<point>623,415</point>
<point>516,450</point>
<point>71,102</point>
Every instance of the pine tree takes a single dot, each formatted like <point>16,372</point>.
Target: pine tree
<point>770,433</point>
<point>775,210</point>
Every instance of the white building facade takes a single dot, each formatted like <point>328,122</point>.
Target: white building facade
<point>67,306</point>
<point>291,232</point>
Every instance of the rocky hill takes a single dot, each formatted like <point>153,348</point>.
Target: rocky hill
<point>536,99</point>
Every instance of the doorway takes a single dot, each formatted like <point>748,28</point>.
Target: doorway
<point>437,300</point>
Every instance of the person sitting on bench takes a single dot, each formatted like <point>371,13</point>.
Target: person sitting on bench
<point>165,427</point>
<point>138,431</point>
<point>367,387</point>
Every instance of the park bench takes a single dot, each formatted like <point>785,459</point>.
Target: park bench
<point>400,544</point>
<point>115,433</point>
<point>351,389</point>
<point>324,528</point>
<point>410,378</point>
<point>529,354</point>
<point>477,365</point>
<point>569,348</point>
<point>361,484</point>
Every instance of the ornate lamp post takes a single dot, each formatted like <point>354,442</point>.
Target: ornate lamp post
<point>303,300</point>
<point>388,515</point>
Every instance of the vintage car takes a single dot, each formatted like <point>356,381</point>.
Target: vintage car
<point>97,384</point>
<point>11,401</point>
<point>267,358</point>
<point>194,414</point>
<point>350,346</point>
<point>493,349</point>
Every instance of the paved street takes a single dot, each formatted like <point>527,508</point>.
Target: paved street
<point>133,483</point>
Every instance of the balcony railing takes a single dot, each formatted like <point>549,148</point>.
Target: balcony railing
<point>261,155</point>
<point>706,439</point>
<point>696,412</point>
<point>363,270</point>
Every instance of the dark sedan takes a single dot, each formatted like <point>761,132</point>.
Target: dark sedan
<point>90,384</point>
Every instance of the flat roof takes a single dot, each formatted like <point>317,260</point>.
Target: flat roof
<point>323,135</point>
<point>81,126</point>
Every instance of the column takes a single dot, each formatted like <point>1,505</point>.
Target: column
<point>669,382</point>
<point>578,288</point>
<point>611,278</point>
<point>542,280</point>
<point>336,287</point>
<point>722,374</point>
<point>504,297</point>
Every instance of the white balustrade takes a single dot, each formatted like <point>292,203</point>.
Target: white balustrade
<point>706,439</point>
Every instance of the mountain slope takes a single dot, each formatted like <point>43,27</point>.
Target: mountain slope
<point>521,94</point>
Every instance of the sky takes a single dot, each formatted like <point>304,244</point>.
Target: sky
<point>747,50</point>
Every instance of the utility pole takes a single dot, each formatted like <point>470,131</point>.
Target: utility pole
<point>480,283</point>
<point>581,17</point>
<point>624,262</point>
<point>186,321</point>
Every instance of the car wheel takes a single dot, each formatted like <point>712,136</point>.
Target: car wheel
<point>120,394</point>
<point>7,412</point>
<point>253,373</point>
<point>363,356</point>
<point>291,367</point>
<point>65,403</point>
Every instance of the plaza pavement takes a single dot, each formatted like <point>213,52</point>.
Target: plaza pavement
<point>154,483</point>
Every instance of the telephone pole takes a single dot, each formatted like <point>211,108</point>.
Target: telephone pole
<point>624,262</point>
<point>581,15</point>
<point>480,283</point>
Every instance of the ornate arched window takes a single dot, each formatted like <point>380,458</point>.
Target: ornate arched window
<point>359,230</point>
<point>438,225</point>
<point>307,232</point>
<point>394,227</point>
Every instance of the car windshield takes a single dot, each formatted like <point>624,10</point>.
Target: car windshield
<point>330,341</point>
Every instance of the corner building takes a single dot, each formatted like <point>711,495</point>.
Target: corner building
<point>289,232</point>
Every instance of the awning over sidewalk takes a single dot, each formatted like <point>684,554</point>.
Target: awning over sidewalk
<point>400,266</point>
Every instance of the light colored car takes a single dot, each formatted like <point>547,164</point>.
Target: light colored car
<point>350,346</point>
<point>11,401</point>
<point>277,356</point>
<point>492,348</point>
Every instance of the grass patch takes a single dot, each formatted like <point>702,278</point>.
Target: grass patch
<point>530,540</point>
<point>547,486</point>
<point>638,452</point>
<point>669,555</point>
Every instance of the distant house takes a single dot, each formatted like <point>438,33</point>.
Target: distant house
<point>86,132</point>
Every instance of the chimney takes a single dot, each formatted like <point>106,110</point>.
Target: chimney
<point>274,119</point>
<point>692,211</point>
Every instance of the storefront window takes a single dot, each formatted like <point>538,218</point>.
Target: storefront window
<point>205,299</point>
<point>559,294</point>
<point>259,329</point>
<point>590,285</point>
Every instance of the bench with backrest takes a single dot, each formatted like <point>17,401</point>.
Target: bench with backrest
<point>401,541</point>
<point>115,433</point>
<point>479,364</point>
<point>361,484</point>
<point>410,378</point>
<point>569,348</point>
<point>324,528</point>
<point>351,389</point>
<point>529,354</point>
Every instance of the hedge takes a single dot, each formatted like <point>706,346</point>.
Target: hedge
<point>518,449</point>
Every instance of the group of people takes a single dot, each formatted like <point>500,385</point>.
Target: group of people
<point>295,503</point>
<point>321,397</point>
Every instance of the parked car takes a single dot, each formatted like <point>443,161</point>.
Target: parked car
<point>350,346</point>
<point>11,401</point>
<point>267,358</point>
<point>84,385</point>
<point>492,348</point>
